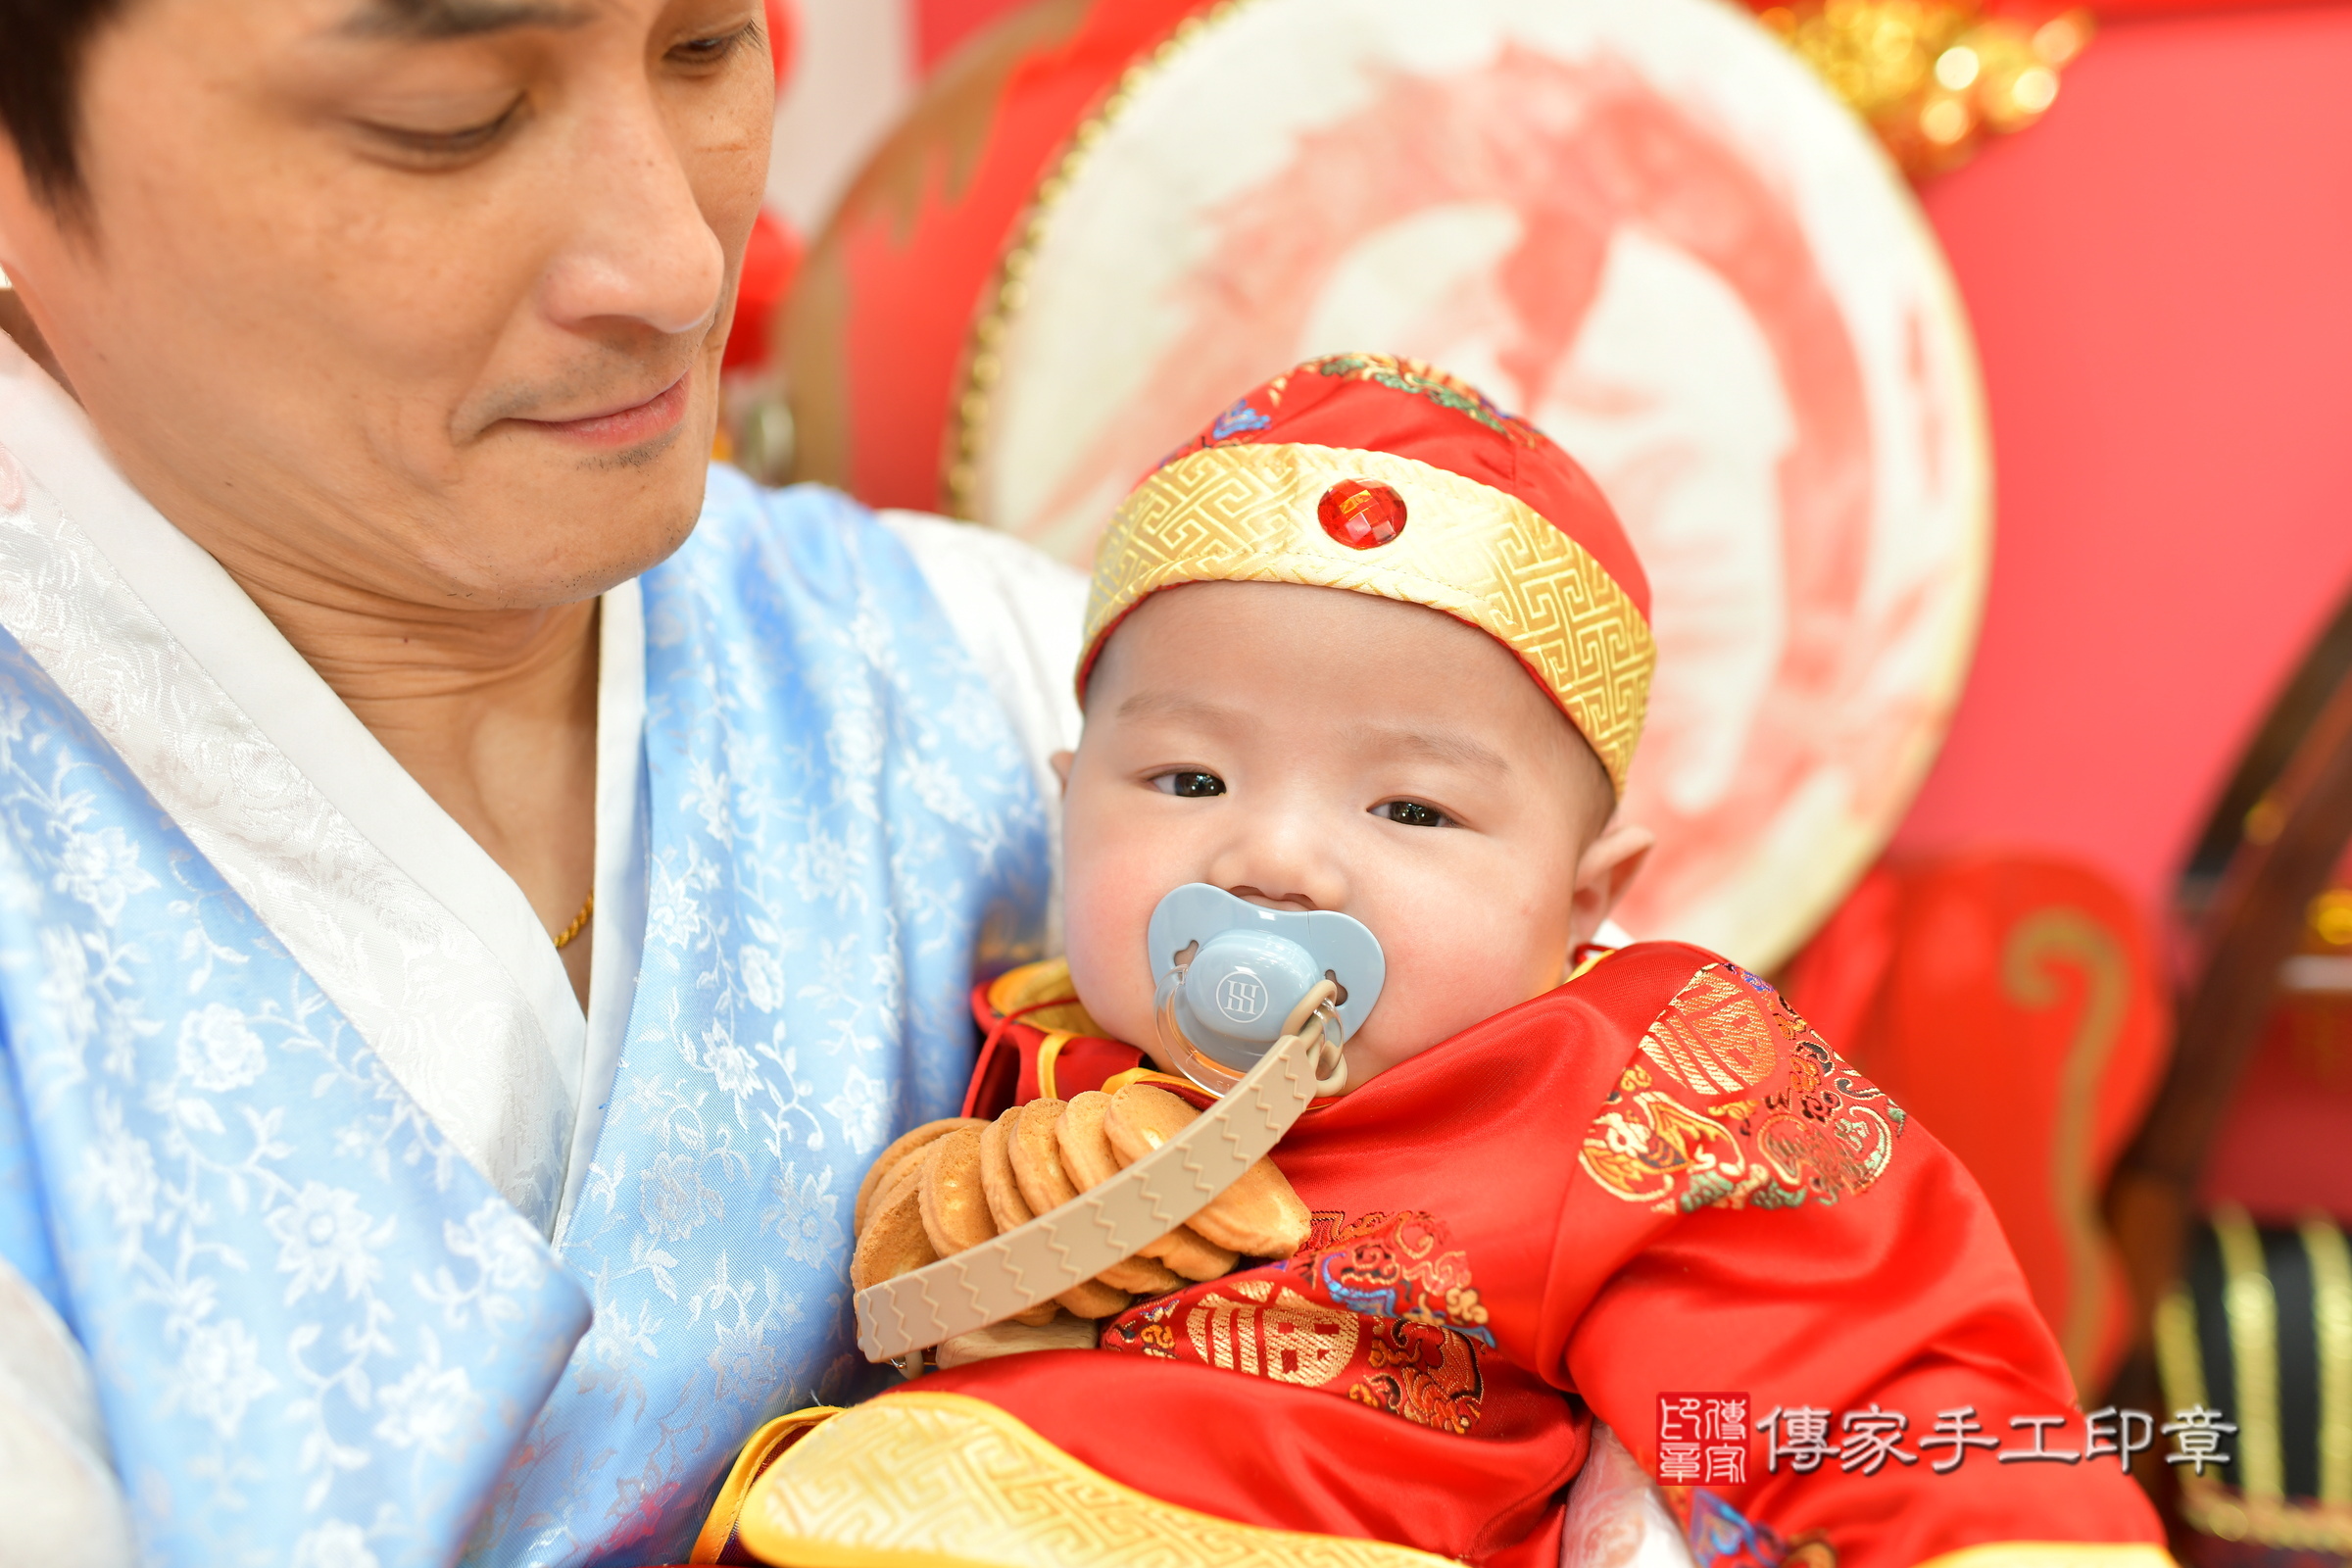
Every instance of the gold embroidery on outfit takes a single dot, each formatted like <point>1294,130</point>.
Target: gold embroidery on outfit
<point>1247,513</point>
<point>1708,1040</point>
<point>1817,1130</point>
<point>1378,1308</point>
<point>1287,1338</point>
<point>949,1481</point>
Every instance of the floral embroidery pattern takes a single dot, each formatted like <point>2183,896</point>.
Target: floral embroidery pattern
<point>1811,1127</point>
<point>1427,381</point>
<point>1426,1374</point>
<point>1243,420</point>
<point>843,825</point>
<point>1382,1297</point>
<point>1394,1266</point>
<point>320,1337</point>
<point>293,1343</point>
<point>1237,421</point>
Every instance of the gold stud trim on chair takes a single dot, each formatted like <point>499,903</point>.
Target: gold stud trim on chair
<point>916,1480</point>
<point>2331,1325</point>
<point>2245,1342</point>
<point>2253,1312</point>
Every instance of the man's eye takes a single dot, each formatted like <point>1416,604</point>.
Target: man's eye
<point>710,51</point>
<point>1412,813</point>
<point>447,146</point>
<point>1190,782</point>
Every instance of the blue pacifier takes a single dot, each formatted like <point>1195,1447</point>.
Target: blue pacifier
<point>1231,975</point>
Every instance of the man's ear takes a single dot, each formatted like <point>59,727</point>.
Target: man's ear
<point>1608,867</point>
<point>1061,761</point>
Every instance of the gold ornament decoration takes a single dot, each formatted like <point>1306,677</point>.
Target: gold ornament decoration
<point>1933,78</point>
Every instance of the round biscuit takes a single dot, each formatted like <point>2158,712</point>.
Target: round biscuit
<point>1141,1117</point>
<point>1192,1254</point>
<point>1261,1215</point>
<point>954,1208</point>
<point>1094,1299</point>
<point>1037,1157</point>
<point>1086,1152</point>
<point>899,1148</point>
<point>894,1242</point>
<point>1087,1157</point>
<point>1011,1211</point>
<point>905,1173</point>
<point>1005,1205</point>
<point>1140,1276</point>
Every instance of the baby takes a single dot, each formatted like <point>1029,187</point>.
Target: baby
<point>1369,644</point>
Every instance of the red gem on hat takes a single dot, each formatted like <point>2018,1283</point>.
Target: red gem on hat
<point>1362,515</point>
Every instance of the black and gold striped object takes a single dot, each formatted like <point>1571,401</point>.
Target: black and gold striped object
<point>2262,1331</point>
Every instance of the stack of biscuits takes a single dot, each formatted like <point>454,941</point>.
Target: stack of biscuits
<point>953,1184</point>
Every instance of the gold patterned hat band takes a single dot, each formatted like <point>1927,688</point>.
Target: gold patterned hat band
<point>1414,488</point>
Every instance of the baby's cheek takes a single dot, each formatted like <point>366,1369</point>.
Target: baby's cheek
<point>1109,908</point>
<point>1450,977</point>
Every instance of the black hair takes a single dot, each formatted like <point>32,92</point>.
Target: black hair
<point>43,42</point>
<point>41,48</point>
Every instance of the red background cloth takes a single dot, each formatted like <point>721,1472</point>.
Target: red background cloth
<point>2156,276</point>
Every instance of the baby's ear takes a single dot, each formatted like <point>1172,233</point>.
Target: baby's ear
<point>1605,871</point>
<point>1061,761</point>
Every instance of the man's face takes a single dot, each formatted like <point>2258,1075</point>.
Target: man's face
<point>1313,748</point>
<point>420,297</point>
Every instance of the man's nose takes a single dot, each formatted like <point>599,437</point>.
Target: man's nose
<point>639,249</point>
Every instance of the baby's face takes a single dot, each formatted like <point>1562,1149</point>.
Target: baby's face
<point>1313,748</point>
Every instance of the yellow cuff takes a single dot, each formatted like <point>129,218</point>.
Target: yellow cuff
<point>767,1446</point>
<point>919,1480</point>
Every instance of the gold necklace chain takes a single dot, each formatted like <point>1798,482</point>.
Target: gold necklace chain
<point>579,921</point>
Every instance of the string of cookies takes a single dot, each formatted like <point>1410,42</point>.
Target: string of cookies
<point>951,1183</point>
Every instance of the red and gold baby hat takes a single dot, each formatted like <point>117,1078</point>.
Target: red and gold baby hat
<point>1384,476</point>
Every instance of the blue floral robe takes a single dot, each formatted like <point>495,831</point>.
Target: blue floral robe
<point>320,1337</point>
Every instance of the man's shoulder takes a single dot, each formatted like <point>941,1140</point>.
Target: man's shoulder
<point>1015,611</point>
<point>983,559</point>
<point>992,589</point>
<point>810,531</point>
<point>739,512</point>
<point>804,560</point>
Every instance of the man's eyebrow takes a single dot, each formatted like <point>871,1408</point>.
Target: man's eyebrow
<point>1449,746</point>
<point>427,19</point>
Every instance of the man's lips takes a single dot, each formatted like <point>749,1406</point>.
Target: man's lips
<point>628,426</point>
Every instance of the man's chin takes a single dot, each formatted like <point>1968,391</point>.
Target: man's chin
<point>575,528</point>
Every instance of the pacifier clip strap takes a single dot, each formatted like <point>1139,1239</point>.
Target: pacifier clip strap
<point>1108,1223</point>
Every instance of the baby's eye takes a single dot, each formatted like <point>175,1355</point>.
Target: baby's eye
<point>1412,813</point>
<point>1190,782</point>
